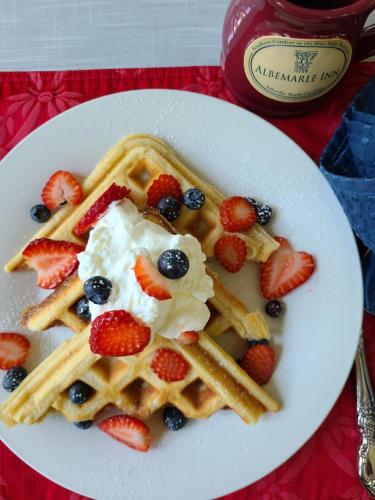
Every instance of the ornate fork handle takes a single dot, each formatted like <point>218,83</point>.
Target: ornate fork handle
<point>366,422</point>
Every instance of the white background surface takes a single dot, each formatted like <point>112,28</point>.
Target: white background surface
<point>77,34</point>
<point>231,148</point>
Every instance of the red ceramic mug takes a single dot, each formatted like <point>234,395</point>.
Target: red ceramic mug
<point>281,57</point>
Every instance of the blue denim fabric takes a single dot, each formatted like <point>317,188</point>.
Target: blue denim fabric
<point>348,163</point>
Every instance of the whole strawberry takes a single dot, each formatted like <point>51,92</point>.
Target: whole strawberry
<point>259,361</point>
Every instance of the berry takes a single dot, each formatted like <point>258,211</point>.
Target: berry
<point>173,418</point>
<point>128,430</point>
<point>84,424</point>
<point>169,208</point>
<point>237,214</point>
<point>188,338</point>
<point>169,365</point>
<point>52,260</point>
<point>40,213</point>
<point>13,377</point>
<point>79,392</point>
<point>117,333</point>
<point>173,264</point>
<point>284,270</point>
<point>273,308</point>
<point>14,349</point>
<point>97,289</point>
<point>100,207</point>
<point>230,252</point>
<point>253,342</point>
<point>83,309</point>
<point>259,362</point>
<point>194,199</point>
<point>264,214</point>
<point>150,280</point>
<point>61,187</point>
<point>165,185</point>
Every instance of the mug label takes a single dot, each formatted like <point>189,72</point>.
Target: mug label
<point>296,69</point>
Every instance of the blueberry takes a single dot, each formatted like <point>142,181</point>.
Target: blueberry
<point>169,207</point>
<point>173,418</point>
<point>173,264</point>
<point>13,377</point>
<point>264,214</point>
<point>97,289</point>
<point>273,308</point>
<point>83,310</point>
<point>253,342</point>
<point>194,199</point>
<point>85,424</point>
<point>40,213</point>
<point>79,392</point>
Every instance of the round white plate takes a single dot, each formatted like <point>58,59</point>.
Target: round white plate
<point>316,339</point>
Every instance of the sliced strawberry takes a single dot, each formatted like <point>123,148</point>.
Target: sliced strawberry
<point>14,349</point>
<point>164,185</point>
<point>53,260</point>
<point>100,207</point>
<point>117,333</point>
<point>62,186</point>
<point>237,214</point>
<point>259,362</point>
<point>188,338</point>
<point>128,430</point>
<point>169,365</point>
<point>231,252</point>
<point>285,270</point>
<point>149,279</point>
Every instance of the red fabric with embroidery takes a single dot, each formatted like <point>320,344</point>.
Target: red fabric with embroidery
<point>325,467</point>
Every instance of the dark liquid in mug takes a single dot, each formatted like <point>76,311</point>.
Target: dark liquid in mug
<point>323,4</point>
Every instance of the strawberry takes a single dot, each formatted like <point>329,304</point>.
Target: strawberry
<point>100,207</point>
<point>14,349</point>
<point>149,279</point>
<point>188,338</point>
<point>128,430</point>
<point>53,260</point>
<point>169,365</point>
<point>117,333</point>
<point>62,186</point>
<point>259,361</point>
<point>164,185</point>
<point>284,270</point>
<point>231,252</point>
<point>237,214</point>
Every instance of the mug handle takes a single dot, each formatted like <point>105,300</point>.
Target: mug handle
<point>366,45</point>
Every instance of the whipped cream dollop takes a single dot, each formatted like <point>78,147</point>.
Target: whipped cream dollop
<point>114,243</point>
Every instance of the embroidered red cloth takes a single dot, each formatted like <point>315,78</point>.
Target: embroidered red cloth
<point>325,467</point>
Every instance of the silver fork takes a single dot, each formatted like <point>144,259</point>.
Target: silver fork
<point>366,421</point>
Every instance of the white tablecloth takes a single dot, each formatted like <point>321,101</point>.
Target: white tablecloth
<point>74,34</point>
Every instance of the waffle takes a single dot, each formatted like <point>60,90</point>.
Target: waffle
<point>227,312</point>
<point>136,161</point>
<point>214,380</point>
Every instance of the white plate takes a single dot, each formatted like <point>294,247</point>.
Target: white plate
<point>316,339</point>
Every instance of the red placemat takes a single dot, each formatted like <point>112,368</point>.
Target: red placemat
<point>325,467</point>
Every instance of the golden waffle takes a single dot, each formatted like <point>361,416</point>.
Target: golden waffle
<point>214,381</point>
<point>136,162</point>
<point>227,312</point>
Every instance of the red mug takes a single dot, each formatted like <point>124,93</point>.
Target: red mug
<point>282,57</point>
